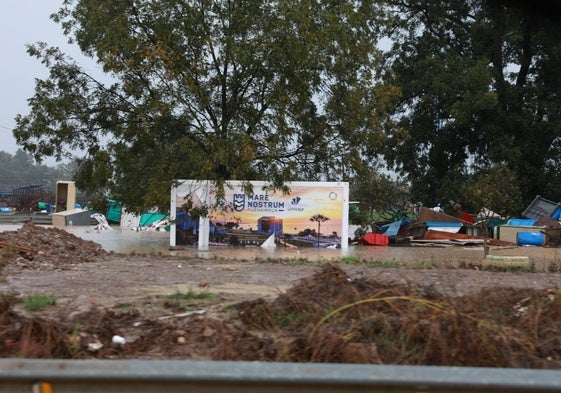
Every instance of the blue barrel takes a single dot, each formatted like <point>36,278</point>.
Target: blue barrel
<point>530,239</point>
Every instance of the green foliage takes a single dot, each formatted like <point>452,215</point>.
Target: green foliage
<point>74,339</point>
<point>289,319</point>
<point>38,302</point>
<point>379,196</point>
<point>478,87</point>
<point>554,267</point>
<point>19,169</point>
<point>495,188</point>
<point>209,90</point>
<point>195,212</point>
<point>508,267</point>
<point>192,295</point>
<point>349,259</point>
<point>287,90</point>
<point>124,307</point>
<point>291,261</point>
<point>384,264</point>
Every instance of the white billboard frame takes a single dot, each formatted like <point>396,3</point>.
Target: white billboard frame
<point>205,187</point>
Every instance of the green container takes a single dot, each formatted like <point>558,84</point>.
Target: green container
<point>114,211</point>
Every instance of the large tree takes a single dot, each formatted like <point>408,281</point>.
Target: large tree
<point>376,196</point>
<point>480,87</point>
<point>20,170</point>
<point>209,89</point>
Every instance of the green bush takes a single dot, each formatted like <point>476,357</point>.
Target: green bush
<point>38,302</point>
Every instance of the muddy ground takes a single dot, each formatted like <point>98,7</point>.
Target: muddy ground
<point>433,306</point>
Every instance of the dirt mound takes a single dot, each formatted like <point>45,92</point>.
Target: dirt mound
<point>37,247</point>
<point>328,317</point>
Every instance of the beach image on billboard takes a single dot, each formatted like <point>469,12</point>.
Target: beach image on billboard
<point>310,214</point>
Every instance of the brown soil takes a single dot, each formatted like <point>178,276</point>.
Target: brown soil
<point>442,306</point>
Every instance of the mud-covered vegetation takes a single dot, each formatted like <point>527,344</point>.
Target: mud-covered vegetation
<point>327,317</point>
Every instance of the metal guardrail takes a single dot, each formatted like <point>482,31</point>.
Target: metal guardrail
<point>140,376</point>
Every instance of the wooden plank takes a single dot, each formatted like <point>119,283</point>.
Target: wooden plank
<point>25,250</point>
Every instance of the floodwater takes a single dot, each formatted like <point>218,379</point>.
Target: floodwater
<point>118,239</point>
<point>126,240</point>
<point>129,241</point>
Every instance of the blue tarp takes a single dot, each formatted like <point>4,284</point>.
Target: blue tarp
<point>521,222</point>
<point>392,228</point>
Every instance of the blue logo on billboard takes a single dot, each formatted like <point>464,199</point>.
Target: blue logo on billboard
<point>239,202</point>
<point>294,205</point>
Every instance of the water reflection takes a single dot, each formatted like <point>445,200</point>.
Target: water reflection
<point>118,240</point>
<point>359,252</point>
<point>158,242</point>
<point>125,240</point>
<point>129,241</point>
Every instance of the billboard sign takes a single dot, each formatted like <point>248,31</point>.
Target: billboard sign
<point>310,214</point>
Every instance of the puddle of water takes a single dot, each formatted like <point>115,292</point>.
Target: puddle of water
<point>125,240</point>
<point>158,242</point>
<point>118,240</point>
<point>367,253</point>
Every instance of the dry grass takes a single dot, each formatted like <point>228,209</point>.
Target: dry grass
<point>327,317</point>
<point>344,320</point>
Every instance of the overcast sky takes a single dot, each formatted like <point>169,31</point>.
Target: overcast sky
<point>24,22</point>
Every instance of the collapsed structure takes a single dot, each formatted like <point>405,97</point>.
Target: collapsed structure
<point>539,226</point>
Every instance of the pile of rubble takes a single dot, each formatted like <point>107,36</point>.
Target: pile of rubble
<point>36,247</point>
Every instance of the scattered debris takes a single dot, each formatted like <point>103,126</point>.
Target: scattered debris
<point>94,346</point>
<point>330,316</point>
<point>182,315</point>
<point>116,339</point>
<point>540,226</point>
<point>102,224</point>
<point>375,239</point>
<point>541,207</point>
<point>327,317</point>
